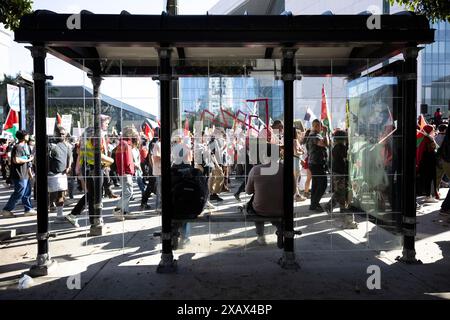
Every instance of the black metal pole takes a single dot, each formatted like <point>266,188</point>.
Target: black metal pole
<point>167,263</point>
<point>97,176</point>
<point>44,262</point>
<point>288,76</point>
<point>409,114</point>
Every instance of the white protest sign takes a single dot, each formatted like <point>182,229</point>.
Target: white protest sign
<point>66,122</point>
<point>51,125</point>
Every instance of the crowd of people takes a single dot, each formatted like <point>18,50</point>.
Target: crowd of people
<point>433,161</point>
<point>220,155</point>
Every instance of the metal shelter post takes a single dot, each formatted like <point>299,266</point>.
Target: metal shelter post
<point>167,263</point>
<point>97,224</point>
<point>409,115</point>
<point>44,264</point>
<point>287,261</point>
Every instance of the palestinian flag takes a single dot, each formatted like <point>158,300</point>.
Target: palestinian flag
<point>149,127</point>
<point>148,131</point>
<point>324,115</point>
<point>11,124</point>
<point>58,119</point>
<point>422,122</point>
<point>421,144</point>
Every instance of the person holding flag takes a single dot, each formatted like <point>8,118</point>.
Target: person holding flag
<point>426,162</point>
<point>317,145</point>
<point>324,114</point>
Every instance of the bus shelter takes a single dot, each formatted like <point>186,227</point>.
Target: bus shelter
<point>368,74</point>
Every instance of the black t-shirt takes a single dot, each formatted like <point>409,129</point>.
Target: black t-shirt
<point>20,171</point>
<point>317,155</point>
<point>59,157</point>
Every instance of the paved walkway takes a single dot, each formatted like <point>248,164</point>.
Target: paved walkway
<point>223,261</point>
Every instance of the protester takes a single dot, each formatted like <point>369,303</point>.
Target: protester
<point>298,152</point>
<point>266,200</point>
<point>437,117</point>
<point>93,183</point>
<point>426,165</point>
<point>317,144</point>
<point>340,180</point>
<point>60,163</point>
<point>21,173</point>
<point>125,169</point>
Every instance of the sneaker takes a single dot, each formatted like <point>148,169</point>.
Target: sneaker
<point>299,197</point>
<point>117,213</point>
<point>30,213</point>
<point>7,214</point>
<point>431,200</point>
<point>237,197</point>
<point>261,240</point>
<point>73,220</point>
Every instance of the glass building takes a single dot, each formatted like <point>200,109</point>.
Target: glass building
<point>435,73</point>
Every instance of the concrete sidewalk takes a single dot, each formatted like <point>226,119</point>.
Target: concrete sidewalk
<point>225,262</point>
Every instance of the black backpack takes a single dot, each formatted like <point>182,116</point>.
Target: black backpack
<point>189,191</point>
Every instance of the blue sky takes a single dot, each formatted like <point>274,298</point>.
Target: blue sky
<point>140,92</point>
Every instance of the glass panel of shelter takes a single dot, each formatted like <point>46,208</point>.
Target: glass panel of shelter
<point>222,107</point>
<point>348,100</point>
<point>314,76</point>
<point>385,136</point>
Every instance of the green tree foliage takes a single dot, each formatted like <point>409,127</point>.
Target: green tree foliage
<point>434,10</point>
<point>12,10</point>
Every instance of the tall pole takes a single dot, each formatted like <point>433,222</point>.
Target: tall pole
<point>44,264</point>
<point>408,80</point>
<point>167,263</point>
<point>96,219</point>
<point>288,261</point>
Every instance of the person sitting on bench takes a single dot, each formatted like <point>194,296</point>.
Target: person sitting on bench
<point>265,184</point>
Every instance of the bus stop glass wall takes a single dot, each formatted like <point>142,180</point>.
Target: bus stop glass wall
<point>71,102</point>
<point>220,103</point>
<point>360,175</point>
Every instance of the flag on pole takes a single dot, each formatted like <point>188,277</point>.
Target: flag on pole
<point>421,144</point>
<point>11,124</point>
<point>58,119</point>
<point>324,114</point>
<point>148,131</point>
<point>422,122</point>
<point>308,114</point>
